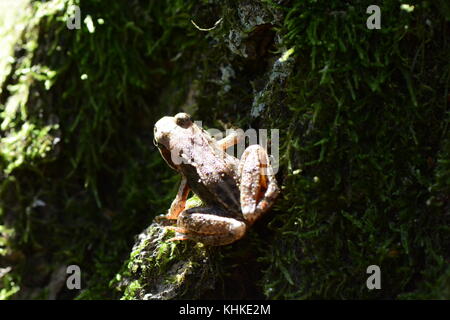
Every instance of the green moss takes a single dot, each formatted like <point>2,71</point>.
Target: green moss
<point>70,104</point>
<point>8,287</point>
<point>131,290</point>
<point>360,157</point>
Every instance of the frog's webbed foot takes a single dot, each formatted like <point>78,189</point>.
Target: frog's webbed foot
<point>258,185</point>
<point>210,226</point>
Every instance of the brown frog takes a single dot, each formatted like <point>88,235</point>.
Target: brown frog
<point>235,192</point>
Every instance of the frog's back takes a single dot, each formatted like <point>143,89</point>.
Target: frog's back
<point>214,180</point>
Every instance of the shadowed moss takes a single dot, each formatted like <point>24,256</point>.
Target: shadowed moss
<point>363,118</point>
<point>82,201</point>
<point>370,114</point>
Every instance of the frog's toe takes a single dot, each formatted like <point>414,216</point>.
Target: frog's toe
<point>179,238</point>
<point>163,218</point>
<point>248,208</point>
<point>176,229</point>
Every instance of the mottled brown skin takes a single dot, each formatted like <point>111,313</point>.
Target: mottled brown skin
<point>235,192</point>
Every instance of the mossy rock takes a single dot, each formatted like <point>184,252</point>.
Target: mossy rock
<point>158,269</point>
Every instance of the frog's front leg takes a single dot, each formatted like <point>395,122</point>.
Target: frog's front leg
<point>230,140</point>
<point>179,203</point>
<point>210,226</point>
<point>258,185</point>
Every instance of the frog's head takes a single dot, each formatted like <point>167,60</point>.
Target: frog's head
<point>169,133</point>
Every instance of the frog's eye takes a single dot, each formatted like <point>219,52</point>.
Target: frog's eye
<point>183,120</point>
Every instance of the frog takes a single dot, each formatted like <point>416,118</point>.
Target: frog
<point>234,192</point>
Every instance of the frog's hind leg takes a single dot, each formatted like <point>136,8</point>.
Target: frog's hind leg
<point>258,185</point>
<point>210,226</point>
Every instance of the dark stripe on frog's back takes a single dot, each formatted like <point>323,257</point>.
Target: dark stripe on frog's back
<point>226,188</point>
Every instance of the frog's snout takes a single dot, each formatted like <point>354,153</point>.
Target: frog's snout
<point>169,129</point>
